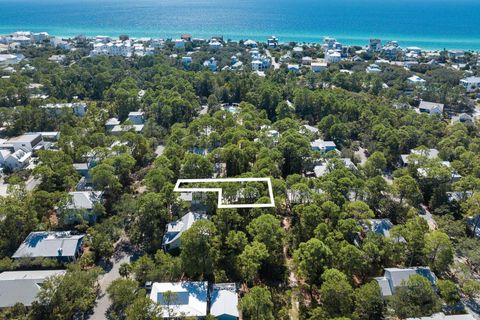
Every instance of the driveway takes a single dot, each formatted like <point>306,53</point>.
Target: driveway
<point>103,301</point>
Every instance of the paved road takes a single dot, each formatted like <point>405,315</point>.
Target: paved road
<point>275,65</point>
<point>103,302</point>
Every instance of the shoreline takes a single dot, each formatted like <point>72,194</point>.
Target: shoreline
<point>425,44</point>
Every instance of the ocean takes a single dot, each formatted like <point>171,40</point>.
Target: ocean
<point>429,24</point>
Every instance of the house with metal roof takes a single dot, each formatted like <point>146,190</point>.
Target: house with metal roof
<point>23,286</point>
<point>395,278</point>
<point>84,203</point>
<point>431,107</point>
<point>323,146</point>
<point>62,245</point>
<point>181,299</point>
<point>196,299</point>
<point>175,229</point>
<point>224,301</point>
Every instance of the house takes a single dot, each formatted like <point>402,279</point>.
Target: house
<point>79,108</point>
<point>18,160</point>
<point>62,245</point>
<point>456,54</point>
<point>306,61</point>
<point>83,202</point>
<point>121,129</point>
<point>395,277</point>
<point>373,68</point>
<point>474,225</point>
<point>416,81</point>
<point>181,299</point>
<point>257,65</point>
<point>471,84</point>
<point>187,61</point>
<point>375,45</point>
<point>318,66</point>
<point>111,123</point>
<point>429,153</point>
<point>179,43</point>
<point>224,301</point>
<point>272,42</point>
<point>250,44</point>
<point>215,45</point>
<point>27,142</point>
<point>293,67</point>
<point>442,316</point>
<point>431,107</point>
<point>323,146</point>
<point>309,128</point>
<point>4,154</point>
<point>328,165</point>
<point>378,226</point>
<point>23,286</point>
<point>175,229</point>
<point>463,118</point>
<point>333,56</point>
<point>211,64</point>
<point>136,117</point>
<point>9,59</point>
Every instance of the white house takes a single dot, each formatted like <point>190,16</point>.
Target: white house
<point>323,146</point>
<point>181,299</point>
<point>175,229</point>
<point>250,44</point>
<point>318,66</point>
<point>62,245</point>
<point>431,107</point>
<point>18,160</point>
<point>79,108</point>
<point>122,128</point>
<point>111,123</point>
<point>293,67</point>
<point>373,68</point>
<point>215,45</point>
<point>333,56</point>
<point>416,81</point>
<point>471,84</point>
<point>224,301</point>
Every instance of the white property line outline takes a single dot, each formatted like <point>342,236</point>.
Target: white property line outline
<point>220,191</point>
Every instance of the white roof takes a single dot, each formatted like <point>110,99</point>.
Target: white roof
<point>190,299</point>
<point>176,228</point>
<point>471,79</point>
<point>84,200</point>
<point>224,300</point>
<point>49,244</point>
<point>442,316</point>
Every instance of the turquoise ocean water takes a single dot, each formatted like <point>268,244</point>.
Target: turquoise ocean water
<point>430,24</point>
